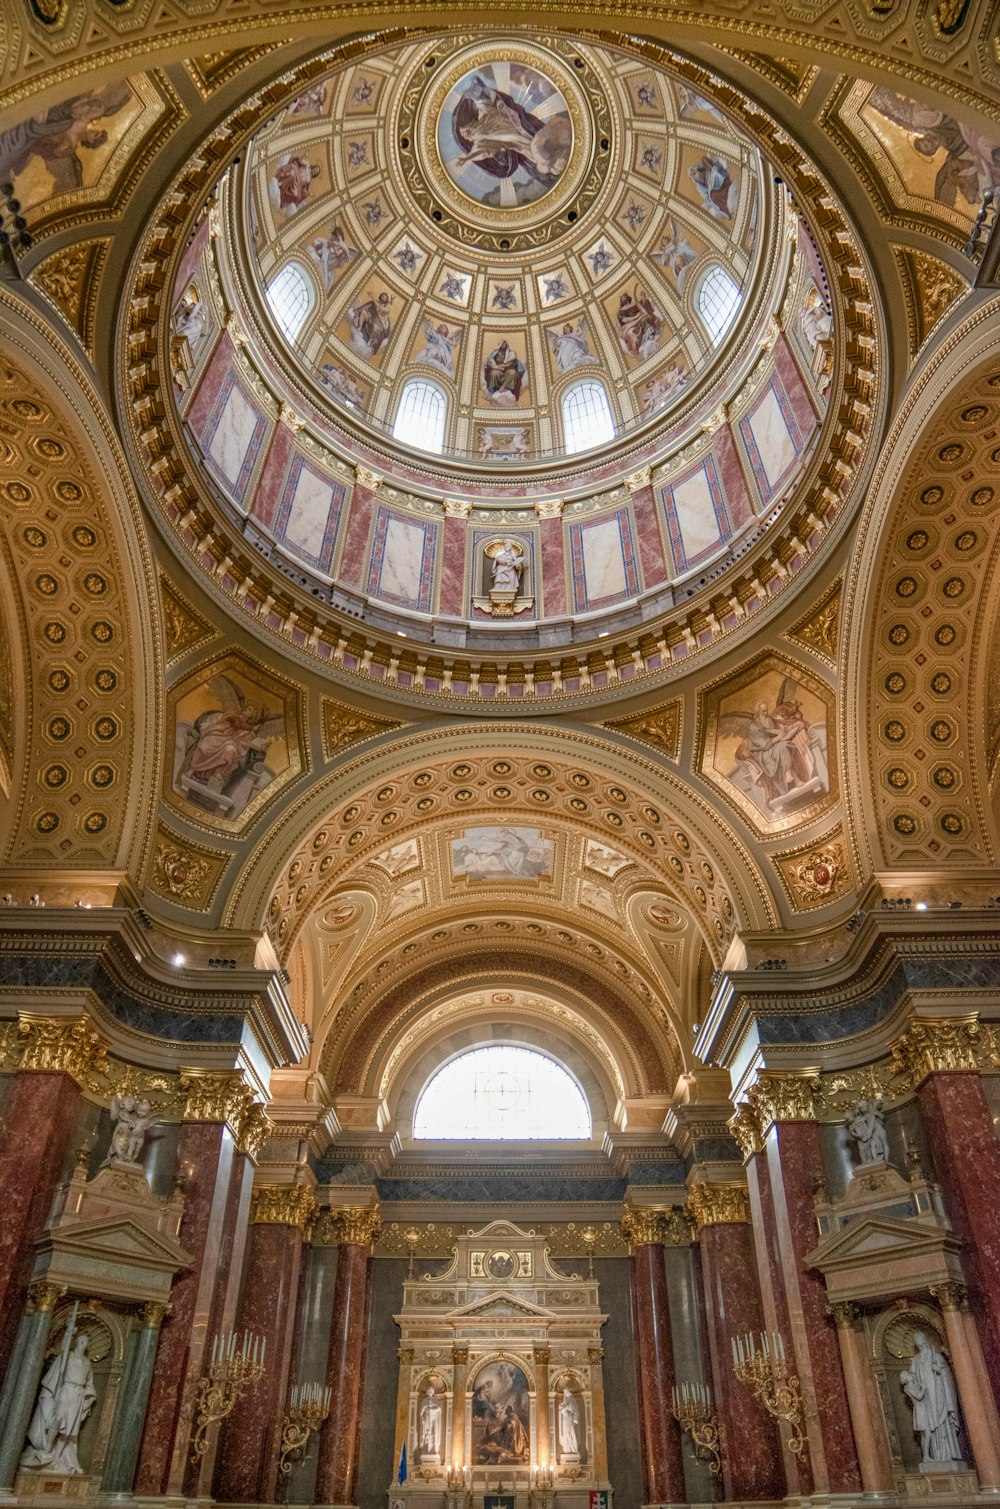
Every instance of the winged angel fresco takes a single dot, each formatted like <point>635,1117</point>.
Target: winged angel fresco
<point>780,758</point>
<point>221,754</point>
<point>971,162</point>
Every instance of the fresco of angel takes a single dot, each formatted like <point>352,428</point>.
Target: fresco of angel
<point>222,752</point>
<point>675,253</point>
<point>781,757</point>
<point>571,346</point>
<point>439,345</point>
<point>972,159</point>
<point>331,253</point>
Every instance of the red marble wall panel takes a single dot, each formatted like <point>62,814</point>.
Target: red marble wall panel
<point>553,567</point>
<point>734,483</point>
<point>752,1457</point>
<point>795,1163</point>
<point>963,1142</point>
<point>654,570</point>
<point>34,1141</point>
<point>246,1470</point>
<point>338,1442</point>
<point>354,562</point>
<point>264,505</point>
<point>218,365</point>
<point>798,393</point>
<point>661,1435</point>
<point>452,599</point>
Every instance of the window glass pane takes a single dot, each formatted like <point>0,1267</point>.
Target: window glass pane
<point>290,296</point>
<point>718,300</point>
<point>421,415</point>
<point>502,1093</point>
<point>587,417</point>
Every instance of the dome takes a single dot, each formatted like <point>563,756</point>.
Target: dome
<point>506,250</point>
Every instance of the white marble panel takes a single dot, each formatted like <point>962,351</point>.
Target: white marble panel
<point>603,560</point>
<point>310,510</point>
<point>404,546</point>
<point>777,451</point>
<point>699,528</point>
<point>233,433</point>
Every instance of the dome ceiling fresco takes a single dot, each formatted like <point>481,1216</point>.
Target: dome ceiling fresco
<point>507,219</point>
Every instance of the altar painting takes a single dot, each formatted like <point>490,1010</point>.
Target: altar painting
<point>500,1416</point>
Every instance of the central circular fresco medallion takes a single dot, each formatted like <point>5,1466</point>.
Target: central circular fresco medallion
<point>505,135</point>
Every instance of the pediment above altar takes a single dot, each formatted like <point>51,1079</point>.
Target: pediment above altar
<point>501,1306</point>
<point>877,1255</point>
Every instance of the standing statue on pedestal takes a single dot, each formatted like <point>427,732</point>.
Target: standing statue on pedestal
<point>65,1399</point>
<point>569,1425</point>
<point>430,1425</point>
<point>930,1387</point>
<point>866,1124</point>
<point>132,1120</point>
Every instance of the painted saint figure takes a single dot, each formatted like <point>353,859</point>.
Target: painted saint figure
<point>439,347</point>
<point>371,326</point>
<point>638,322</point>
<point>291,182</point>
<point>59,136</point>
<point>65,1399</point>
<point>930,1388</point>
<point>570,346</point>
<point>504,375</point>
<point>716,189</point>
<point>500,136</point>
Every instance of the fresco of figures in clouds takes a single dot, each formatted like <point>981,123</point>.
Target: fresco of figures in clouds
<point>501,854</point>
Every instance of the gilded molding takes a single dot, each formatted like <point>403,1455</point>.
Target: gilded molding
<point>460,1356</point>
<point>358,1226</point>
<point>152,1314</point>
<point>284,1205</point>
<point>254,1129</point>
<point>937,1046</point>
<point>367,478</point>
<point>779,1096</point>
<point>43,1297</point>
<point>951,1296</point>
<point>642,1227</point>
<point>747,1130</point>
<point>718,1205</point>
<point>845,1314</point>
<point>67,1045</point>
<point>541,1356</point>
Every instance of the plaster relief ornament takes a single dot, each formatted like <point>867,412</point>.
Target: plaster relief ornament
<point>505,135</point>
<point>866,1124</point>
<point>188,328</point>
<point>504,376</point>
<point>430,1425</point>
<point>65,1399</point>
<point>930,1387</point>
<point>569,1427</point>
<point>131,1120</point>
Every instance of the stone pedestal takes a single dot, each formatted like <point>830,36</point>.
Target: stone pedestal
<point>338,1443</point>
<point>660,1434</point>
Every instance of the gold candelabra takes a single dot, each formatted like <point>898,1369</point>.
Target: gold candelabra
<point>692,1409</point>
<point>764,1368</point>
<point>231,1372</point>
<point>309,1407</point>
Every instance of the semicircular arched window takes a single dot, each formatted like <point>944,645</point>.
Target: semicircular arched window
<point>420,417</point>
<point>719,297</point>
<point>587,416</point>
<point>501,1093</point>
<point>291,296</point>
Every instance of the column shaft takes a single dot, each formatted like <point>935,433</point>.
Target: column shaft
<point>543,1454</point>
<point>460,1378</point>
<point>966,1153</point>
<point>664,1465</point>
<point>246,1466</point>
<point>978,1409</point>
<point>751,1460</point>
<point>873,1457</point>
<point>34,1141</point>
<point>123,1454</point>
<point>21,1386</point>
<point>338,1447</point>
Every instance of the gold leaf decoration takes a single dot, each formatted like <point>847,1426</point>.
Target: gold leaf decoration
<point>932,287</point>
<point>344,726</point>
<point>660,727</point>
<point>818,873</point>
<point>184,872</point>
<point>182,626</point>
<point>70,278</point>
<point>819,630</point>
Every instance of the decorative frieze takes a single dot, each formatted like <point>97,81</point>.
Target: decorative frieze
<point>718,1205</point>
<point>284,1205</point>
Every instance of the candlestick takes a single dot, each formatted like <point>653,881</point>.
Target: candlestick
<point>692,1409</point>
<point>778,1390</point>
<point>309,1407</point>
<point>230,1374</point>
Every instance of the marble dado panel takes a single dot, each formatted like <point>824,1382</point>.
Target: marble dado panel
<point>404,552</point>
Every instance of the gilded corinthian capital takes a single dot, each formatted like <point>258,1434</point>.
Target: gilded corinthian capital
<point>780,1096</point>
<point>358,1226</point>
<point>284,1205</point>
<point>718,1205</point>
<point>67,1045</point>
<point>642,1227</point>
<point>936,1046</point>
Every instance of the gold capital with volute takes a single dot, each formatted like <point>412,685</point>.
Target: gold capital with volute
<point>718,1205</point>
<point>642,1227</point>
<point>284,1205</point>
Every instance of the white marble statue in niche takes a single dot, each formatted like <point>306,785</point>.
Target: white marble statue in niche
<point>65,1399</point>
<point>866,1124</point>
<point>930,1387</point>
<point>569,1427</point>
<point>132,1119</point>
<point>430,1425</point>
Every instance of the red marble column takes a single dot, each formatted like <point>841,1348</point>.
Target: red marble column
<point>751,1458</point>
<point>660,1432</point>
<point>795,1169</point>
<point>34,1141</point>
<point>337,1470</point>
<point>966,1153</point>
<point>214,1173</point>
<point>246,1466</point>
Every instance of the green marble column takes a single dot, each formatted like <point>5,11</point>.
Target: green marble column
<point>123,1454</point>
<point>20,1387</point>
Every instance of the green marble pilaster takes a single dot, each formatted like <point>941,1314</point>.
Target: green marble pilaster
<point>20,1387</point>
<point>123,1453</point>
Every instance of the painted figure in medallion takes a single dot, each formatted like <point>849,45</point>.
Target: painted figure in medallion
<point>639,323</point>
<point>371,325</point>
<point>504,375</point>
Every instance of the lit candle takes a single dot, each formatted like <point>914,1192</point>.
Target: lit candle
<point>263,1345</point>
<point>215,1347</point>
<point>732,1342</point>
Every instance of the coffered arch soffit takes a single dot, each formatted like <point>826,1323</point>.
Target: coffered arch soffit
<point>920,608</point>
<point>566,782</point>
<point>86,726</point>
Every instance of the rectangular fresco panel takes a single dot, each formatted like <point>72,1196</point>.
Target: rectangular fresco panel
<point>696,514</point>
<point>604,566</point>
<point>402,564</point>
<point>501,854</point>
<point>232,437</point>
<point>309,513</point>
<point>772,438</point>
